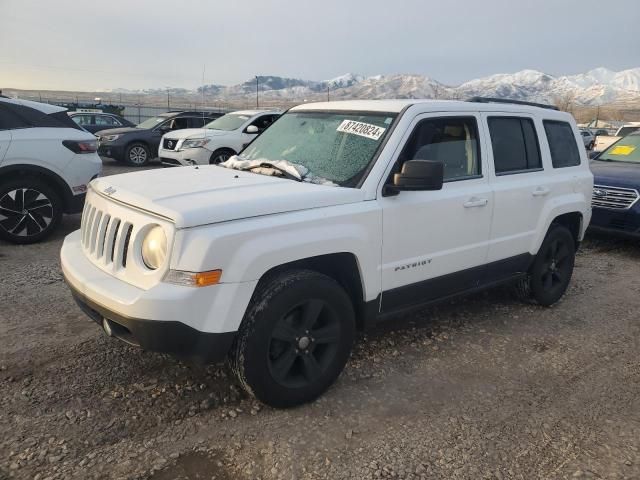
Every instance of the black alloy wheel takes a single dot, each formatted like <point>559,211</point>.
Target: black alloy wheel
<point>29,211</point>
<point>303,343</point>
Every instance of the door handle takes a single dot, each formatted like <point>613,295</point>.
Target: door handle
<point>540,191</point>
<point>475,202</point>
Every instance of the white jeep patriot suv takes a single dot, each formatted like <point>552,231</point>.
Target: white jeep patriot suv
<point>336,216</point>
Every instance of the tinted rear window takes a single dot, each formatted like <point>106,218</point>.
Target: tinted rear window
<point>562,143</point>
<point>515,144</point>
<point>20,116</point>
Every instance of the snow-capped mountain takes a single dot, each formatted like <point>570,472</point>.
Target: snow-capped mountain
<point>598,86</point>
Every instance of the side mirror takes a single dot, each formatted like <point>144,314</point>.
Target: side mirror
<point>417,175</point>
<point>252,129</point>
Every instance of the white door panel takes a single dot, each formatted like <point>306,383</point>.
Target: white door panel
<point>429,234</point>
<point>520,199</point>
<point>5,140</point>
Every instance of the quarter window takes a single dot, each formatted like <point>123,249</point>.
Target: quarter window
<point>450,140</point>
<point>515,145</point>
<point>562,143</point>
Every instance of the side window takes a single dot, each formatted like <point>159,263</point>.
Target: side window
<point>450,140</point>
<point>179,123</point>
<point>82,120</point>
<point>10,121</point>
<point>515,145</point>
<point>562,143</point>
<point>264,121</point>
<point>197,122</point>
<point>106,120</point>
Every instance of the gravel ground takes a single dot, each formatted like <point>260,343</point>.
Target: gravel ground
<point>484,387</point>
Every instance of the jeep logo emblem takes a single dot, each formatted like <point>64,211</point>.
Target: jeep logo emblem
<point>109,190</point>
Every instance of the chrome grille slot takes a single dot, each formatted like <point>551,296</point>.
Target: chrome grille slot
<point>111,240</point>
<point>102,235</point>
<point>119,245</point>
<point>94,231</point>
<point>108,232</point>
<point>614,198</point>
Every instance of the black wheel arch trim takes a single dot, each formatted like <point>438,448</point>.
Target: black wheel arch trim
<point>70,202</point>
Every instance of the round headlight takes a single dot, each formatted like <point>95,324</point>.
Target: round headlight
<point>154,248</point>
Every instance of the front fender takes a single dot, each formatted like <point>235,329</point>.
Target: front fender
<point>246,249</point>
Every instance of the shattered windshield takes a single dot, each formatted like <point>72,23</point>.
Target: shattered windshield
<point>336,147</point>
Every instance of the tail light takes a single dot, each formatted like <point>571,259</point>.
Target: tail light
<point>81,146</point>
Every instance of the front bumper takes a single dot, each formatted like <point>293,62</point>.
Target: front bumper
<point>111,151</point>
<point>171,337</point>
<point>616,222</point>
<point>190,156</point>
<point>196,323</point>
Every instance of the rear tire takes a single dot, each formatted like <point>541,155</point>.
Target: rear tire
<point>552,269</point>
<point>137,154</point>
<point>295,338</point>
<point>30,210</point>
<point>221,155</point>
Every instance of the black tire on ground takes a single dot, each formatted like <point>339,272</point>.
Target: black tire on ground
<point>30,210</point>
<point>137,154</point>
<point>221,155</point>
<point>551,271</point>
<point>295,338</point>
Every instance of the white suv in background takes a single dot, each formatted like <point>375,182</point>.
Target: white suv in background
<point>337,216</point>
<point>46,163</point>
<point>217,141</point>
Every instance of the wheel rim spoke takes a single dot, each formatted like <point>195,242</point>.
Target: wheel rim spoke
<point>328,334</point>
<point>310,313</point>
<point>20,227</point>
<point>285,332</point>
<point>311,367</point>
<point>284,363</point>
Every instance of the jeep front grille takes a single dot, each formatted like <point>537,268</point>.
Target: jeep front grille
<point>614,198</point>
<point>105,239</point>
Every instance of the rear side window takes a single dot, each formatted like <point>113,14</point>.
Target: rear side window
<point>10,121</point>
<point>562,143</point>
<point>515,145</point>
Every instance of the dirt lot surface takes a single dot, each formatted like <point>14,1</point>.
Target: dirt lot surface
<point>484,387</point>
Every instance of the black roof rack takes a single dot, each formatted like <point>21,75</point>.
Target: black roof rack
<point>506,100</point>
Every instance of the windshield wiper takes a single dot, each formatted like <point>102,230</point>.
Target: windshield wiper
<point>286,173</point>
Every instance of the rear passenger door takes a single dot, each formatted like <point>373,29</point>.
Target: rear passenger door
<point>520,185</point>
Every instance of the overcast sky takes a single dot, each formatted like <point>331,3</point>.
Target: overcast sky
<point>88,45</point>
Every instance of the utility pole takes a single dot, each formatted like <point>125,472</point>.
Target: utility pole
<point>327,93</point>
<point>168,103</point>
<point>257,89</point>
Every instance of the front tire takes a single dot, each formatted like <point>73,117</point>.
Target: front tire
<point>552,269</point>
<point>221,155</point>
<point>295,338</point>
<point>30,210</point>
<point>137,154</point>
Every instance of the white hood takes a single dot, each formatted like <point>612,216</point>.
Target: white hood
<point>194,133</point>
<point>192,196</point>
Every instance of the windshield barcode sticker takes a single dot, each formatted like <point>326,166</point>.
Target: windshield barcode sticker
<point>362,129</point>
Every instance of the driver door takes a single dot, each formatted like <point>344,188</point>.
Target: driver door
<point>435,243</point>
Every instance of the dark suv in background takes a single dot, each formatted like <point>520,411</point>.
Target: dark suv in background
<point>138,145</point>
<point>95,121</point>
<point>616,192</point>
